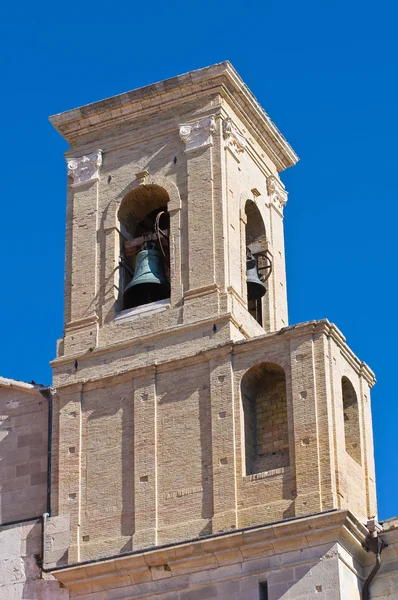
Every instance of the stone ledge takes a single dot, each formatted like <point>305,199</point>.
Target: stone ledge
<point>298,538</point>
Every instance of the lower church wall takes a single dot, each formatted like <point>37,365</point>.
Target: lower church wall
<point>20,556</point>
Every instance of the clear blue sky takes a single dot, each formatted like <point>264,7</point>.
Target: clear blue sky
<point>327,75</point>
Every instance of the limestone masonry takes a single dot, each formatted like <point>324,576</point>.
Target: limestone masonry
<point>192,445</point>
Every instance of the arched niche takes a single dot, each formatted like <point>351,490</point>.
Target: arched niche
<point>265,418</point>
<point>139,211</point>
<point>351,420</point>
<point>255,242</point>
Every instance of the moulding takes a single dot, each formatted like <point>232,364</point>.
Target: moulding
<point>85,168</point>
<point>234,141</point>
<point>276,192</point>
<point>198,134</point>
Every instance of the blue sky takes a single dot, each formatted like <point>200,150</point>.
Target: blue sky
<point>327,75</point>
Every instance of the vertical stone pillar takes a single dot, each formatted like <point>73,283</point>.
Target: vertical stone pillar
<point>145,460</point>
<point>223,443</point>
<point>305,427</point>
<point>325,422</point>
<point>367,443</point>
<point>198,138</point>
<point>70,462</point>
<point>234,144</point>
<point>278,198</point>
<point>81,330</point>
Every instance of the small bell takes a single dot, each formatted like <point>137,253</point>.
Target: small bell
<point>149,283</point>
<point>255,287</point>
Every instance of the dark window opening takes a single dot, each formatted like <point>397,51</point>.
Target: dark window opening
<point>263,590</point>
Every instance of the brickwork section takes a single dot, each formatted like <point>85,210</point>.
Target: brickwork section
<point>23,450</point>
<point>159,456</point>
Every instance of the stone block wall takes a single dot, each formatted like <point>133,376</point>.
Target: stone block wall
<point>23,450</point>
<point>21,577</point>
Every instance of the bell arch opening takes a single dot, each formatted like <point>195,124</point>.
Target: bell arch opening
<point>258,264</point>
<point>144,260</point>
<point>265,419</point>
<point>351,420</point>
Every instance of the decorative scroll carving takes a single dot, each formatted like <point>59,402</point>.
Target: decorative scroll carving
<point>234,141</point>
<point>85,168</point>
<point>199,134</point>
<point>276,192</point>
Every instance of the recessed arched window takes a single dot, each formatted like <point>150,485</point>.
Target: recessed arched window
<point>265,418</point>
<point>144,267</point>
<point>351,420</point>
<point>258,264</point>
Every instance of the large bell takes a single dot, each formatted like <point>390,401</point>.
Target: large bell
<point>255,287</point>
<point>149,283</point>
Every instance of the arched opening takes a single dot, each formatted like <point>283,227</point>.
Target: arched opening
<point>144,266</point>
<point>264,403</point>
<point>258,263</point>
<point>351,420</point>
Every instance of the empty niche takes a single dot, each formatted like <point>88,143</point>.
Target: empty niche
<point>351,420</point>
<point>264,404</point>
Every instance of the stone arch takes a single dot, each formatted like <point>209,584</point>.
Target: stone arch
<point>141,201</point>
<point>160,181</point>
<point>265,418</point>
<point>254,237</point>
<point>351,420</point>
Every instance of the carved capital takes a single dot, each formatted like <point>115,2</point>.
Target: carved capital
<point>85,168</point>
<point>234,140</point>
<point>276,192</point>
<point>199,134</point>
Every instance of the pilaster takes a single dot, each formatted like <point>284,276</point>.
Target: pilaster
<point>145,461</point>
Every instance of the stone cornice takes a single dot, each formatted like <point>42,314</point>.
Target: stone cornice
<point>301,330</point>
<point>211,552</point>
<point>220,78</point>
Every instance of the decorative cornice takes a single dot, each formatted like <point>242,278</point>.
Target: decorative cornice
<point>199,134</point>
<point>234,141</point>
<point>276,192</point>
<point>242,545</point>
<point>74,125</point>
<point>85,168</point>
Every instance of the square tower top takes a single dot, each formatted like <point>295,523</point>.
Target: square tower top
<point>81,126</point>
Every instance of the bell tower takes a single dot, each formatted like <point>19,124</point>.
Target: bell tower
<point>184,405</point>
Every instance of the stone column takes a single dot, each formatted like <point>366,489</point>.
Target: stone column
<point>145,461</point>
<point>277,200</point>
<point>305,427</point>
<point>223,443</point>
<point>198,138</point>
<point>81,331</point>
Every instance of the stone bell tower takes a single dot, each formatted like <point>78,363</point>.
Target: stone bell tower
<point>194,410</point>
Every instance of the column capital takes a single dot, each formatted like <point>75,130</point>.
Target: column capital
<point>84,168</point>
<point>199,134</point>
<point>276,192</point>
<point>234,141</point>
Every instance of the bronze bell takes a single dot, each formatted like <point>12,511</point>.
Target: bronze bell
<point>255,287</point>
<point>149,283</point>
